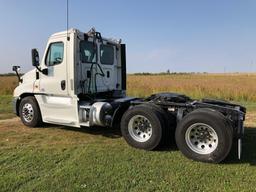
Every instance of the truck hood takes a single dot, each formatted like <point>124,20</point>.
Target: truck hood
<point>29,76</point>
<point>28,80</point>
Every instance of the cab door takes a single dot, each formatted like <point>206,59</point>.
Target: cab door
<point>56,102</point>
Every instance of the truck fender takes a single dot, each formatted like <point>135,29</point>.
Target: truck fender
<point>16,102</point>
<point>118,114</point>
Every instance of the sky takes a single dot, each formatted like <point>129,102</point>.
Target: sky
<point>179,35</point>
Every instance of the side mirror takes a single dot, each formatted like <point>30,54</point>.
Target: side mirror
<point>35,57</point>
<point>16,69</point>
<point>35,61</point>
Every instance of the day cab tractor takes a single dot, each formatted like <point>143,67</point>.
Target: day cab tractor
<point>81,82</point>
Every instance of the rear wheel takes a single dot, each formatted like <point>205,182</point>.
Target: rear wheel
<point>204,135</point>
<point>201,138</point>
<point>168,130</point>
<point>29,112</point>
<point>141,127</point>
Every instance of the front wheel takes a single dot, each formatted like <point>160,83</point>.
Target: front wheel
<point>29,112</point>
<point>204,135</point>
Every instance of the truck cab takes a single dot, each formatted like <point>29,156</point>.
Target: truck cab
<point>76,70</point>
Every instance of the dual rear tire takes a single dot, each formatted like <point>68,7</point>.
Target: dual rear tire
<point>202,135</point>
<point>142,127</point>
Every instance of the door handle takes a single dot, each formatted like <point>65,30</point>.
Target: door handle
<point>63,84</point>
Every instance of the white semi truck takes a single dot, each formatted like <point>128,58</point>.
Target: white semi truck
<point>81,81</point>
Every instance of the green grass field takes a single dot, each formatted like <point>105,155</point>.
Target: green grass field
<point>57,158</point>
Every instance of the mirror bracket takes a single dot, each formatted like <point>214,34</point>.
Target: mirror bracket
<point>16,69</point>
<point>45,71</point>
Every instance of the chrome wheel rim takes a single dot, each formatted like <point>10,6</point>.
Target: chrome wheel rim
<point>27,112</point>
<point>201,138</point>
<point>140,128</point>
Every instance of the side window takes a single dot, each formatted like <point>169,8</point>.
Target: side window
<point>55,54</point>
<point>106,54</point>
<point>88,52</point>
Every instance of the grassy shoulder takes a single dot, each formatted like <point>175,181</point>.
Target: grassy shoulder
<point>56,158</point>
<point>6,111</point>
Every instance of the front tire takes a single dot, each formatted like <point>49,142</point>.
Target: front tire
<point>141,127</point>
<point>29,112</point>
<point>204,135</point>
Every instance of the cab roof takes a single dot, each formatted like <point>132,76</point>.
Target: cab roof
<point>76,31</point>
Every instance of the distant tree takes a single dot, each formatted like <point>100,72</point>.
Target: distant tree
<point>168,71</point>
<point>7,74</point>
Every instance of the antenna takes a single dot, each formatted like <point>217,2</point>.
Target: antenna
<point>67,19</point>
<point>68,38</point>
